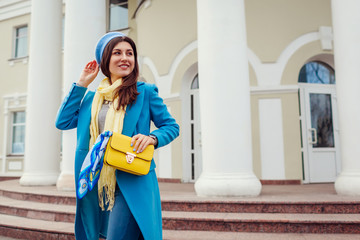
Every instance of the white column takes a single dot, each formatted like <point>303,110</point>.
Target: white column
<point>42,140</point>
<point>346,19</point>
<point>85,23</point>
<point>224,101</point>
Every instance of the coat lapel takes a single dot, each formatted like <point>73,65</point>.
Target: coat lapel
<point>133,113</point>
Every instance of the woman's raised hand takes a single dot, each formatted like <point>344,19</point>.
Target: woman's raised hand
<point>88,74</point>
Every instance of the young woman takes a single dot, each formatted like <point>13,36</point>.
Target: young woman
<point>123,206</point>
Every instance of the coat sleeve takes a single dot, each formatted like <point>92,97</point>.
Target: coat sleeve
<point>168,129</point>
<point>68,113</point>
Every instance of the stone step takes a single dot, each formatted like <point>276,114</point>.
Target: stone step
<point>237,206</point>
<point>53,197</point>
<point>32,212</point>
<point>262,222</point>
<point>26,228</point>
<point>174,205</point>
<point>204,221</point>
<point>37,210</point>
<point>201,235</point>
<point>242,206</point>
<point>211,235</point>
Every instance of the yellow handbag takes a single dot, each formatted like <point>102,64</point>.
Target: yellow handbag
<point>120,155</point>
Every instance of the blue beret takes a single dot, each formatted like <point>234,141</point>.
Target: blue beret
<point>104,40</point>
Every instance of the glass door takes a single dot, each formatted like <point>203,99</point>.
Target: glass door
<point>320,134</point>
<point>195,149</point>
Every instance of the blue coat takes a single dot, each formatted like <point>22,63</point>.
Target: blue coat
<point>141,192</point>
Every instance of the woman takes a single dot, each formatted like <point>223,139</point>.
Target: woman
<point>120,104</point>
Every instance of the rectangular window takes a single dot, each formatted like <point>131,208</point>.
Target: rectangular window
<point>21,36</point>
<point>18,133</point>
<point>118,15</point>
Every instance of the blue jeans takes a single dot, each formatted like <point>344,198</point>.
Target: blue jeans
<point>122,224</point>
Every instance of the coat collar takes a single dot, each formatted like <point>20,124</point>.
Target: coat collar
<point>133,112</point>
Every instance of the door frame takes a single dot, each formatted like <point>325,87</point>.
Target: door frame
<point>197,151</point>
<point>304,90</point>
<point>186,124</point>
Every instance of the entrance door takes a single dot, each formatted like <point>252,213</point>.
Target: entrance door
<point>196,158</point>
<point>195,134</point>
<point>319,125</point>
<point>320,133</point>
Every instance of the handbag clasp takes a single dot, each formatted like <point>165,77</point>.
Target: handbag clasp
<point>130,157</point>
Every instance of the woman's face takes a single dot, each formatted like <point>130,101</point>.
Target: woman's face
<point>122,61</point>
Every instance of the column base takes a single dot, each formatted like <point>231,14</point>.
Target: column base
<point>66,182</point>
<point>348,183</point>
<point>228,185</point>
<point>38,179</point>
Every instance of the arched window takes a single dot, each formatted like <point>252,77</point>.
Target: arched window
<point>317,72</point>
<point>195,82</point>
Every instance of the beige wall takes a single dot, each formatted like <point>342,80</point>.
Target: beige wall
<point>291,133</point>
<point>177,154</point>
<point>292,136</point>
<point>255,123</point>
<point>296,62</point>
<point>290,107</point>
<point>164,29</point>
<point>132,5</point>
<point>272,25</point>
<point>182,68</point>
<point>180,78</point>
<point>146,74</point>
<point>13,77</point>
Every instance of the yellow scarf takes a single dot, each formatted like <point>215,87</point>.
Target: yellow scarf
<point>113,122</point>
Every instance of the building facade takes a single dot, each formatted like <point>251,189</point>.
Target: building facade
<point>289,75</point>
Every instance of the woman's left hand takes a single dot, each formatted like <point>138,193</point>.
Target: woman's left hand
<point>141,142</point>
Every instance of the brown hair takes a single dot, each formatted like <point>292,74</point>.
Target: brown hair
<point>127,91</point>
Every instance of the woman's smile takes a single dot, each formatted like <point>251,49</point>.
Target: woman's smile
<point>124,66</point>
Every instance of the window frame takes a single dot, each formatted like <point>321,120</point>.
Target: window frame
<point>15,42</point>
<point>323,65</point>
<point>11,134</point>
<point>108,19</point>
